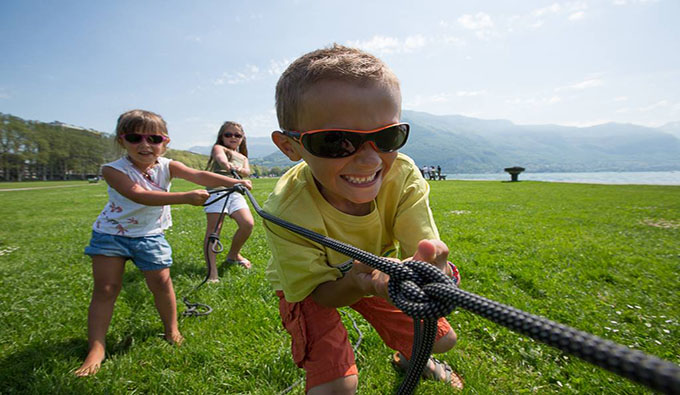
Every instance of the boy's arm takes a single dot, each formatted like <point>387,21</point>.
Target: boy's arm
<point>359,282</point>
<point>205,178</point>
<point>363,280</point>
<point>133,191</point>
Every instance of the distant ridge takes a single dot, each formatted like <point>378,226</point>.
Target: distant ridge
<point>461,144</point>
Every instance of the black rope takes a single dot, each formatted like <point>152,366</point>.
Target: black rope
<point>195,309</point>
<point>425,293</point>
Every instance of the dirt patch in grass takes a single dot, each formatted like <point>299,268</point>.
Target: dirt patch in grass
<point>661,223</point>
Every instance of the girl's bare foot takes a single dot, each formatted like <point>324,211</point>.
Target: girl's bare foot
<point>91,365</point>
<point>175,338</point>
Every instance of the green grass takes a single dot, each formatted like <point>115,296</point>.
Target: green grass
<point>604,259</point>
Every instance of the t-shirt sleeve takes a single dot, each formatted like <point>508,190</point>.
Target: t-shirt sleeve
<point>300,263</point>
<point>414,221</point>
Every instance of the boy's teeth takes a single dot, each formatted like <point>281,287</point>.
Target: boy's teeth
<point>360,180</point>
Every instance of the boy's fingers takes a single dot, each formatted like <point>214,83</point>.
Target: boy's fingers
<point>433,251</point>
<point>425,252</point>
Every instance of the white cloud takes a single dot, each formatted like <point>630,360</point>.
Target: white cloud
<point>471,93</point>
<point>579,86</point>
<point>387,45</point>
<point>277,67</point>
<point>552,9</point>
<point>534,101</point>
<point>481,23</point>
<point>621,98</point>
<point>627,2</point>
<point>250,73</point>
<point>261,124</point>
<point>655,106</point>
<point>576,16</point>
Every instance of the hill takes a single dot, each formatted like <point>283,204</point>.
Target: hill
<point>462,144</point>
<point>33,150</point>
<point>465,145</point>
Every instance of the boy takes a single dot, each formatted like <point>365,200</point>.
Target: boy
<point>339,111</point>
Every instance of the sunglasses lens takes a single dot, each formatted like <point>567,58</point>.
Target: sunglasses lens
<point>230,135</point>
<point>332,143</point>
<point>133,138</point>
<point>155,138</point>
<point>340,144</point>
<point>391,139</point>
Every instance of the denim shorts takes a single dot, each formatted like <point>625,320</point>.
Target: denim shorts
<point>147,252</point>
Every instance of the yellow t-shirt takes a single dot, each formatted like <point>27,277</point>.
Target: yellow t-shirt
<point>400,217</point>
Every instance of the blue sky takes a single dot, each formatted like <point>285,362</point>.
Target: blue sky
<point>200,63</point>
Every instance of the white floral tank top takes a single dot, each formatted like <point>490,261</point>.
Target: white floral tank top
<point>122,216</point>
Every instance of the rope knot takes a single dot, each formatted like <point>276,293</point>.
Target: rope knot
<point>417,290</point>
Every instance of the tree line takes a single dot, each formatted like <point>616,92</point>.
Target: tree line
<point>32,150</point>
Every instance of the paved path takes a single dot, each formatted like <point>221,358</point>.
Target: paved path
<point>56,186</point>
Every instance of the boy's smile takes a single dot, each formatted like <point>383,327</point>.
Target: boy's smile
<point>349,184</point>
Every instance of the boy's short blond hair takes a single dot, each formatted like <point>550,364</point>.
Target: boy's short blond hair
<point>335,63</point>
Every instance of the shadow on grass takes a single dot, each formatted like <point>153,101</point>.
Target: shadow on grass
<point>22,371</point>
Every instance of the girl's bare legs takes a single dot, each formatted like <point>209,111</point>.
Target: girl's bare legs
<point>210,256</point>
<point>108,279</point>
<point>160,284</point>
<point>245,222</point>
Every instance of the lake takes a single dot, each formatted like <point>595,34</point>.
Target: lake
<point>639,177</point>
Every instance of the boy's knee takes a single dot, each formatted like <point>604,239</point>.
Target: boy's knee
<point>445,343</point>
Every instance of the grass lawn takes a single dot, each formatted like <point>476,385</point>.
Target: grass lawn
<point>602,258</point>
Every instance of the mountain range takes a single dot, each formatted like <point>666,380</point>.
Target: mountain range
<point>462,144</point>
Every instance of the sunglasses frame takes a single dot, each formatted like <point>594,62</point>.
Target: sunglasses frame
<point>146,137</point>
<point>298,136</point>
<point>230,135</point>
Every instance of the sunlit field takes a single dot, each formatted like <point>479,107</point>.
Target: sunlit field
<point>601,258</point>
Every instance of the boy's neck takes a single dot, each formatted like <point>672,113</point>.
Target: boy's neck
<point>344,205</point>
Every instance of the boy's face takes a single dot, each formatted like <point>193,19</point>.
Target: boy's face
<point>350,183</point>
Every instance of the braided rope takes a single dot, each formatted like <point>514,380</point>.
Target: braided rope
<point>425,293</point>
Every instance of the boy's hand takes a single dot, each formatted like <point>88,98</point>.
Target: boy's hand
<point>434,252</point>
<point>370,281</point>
<point>197,197</point>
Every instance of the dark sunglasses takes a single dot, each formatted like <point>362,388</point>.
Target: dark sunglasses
<point>341,143</point>
<point>136,138</point>
<point>230,135</point>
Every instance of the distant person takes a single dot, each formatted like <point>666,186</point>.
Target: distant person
<point>133,223</point>
<point>339,110</point>
<point>229,152</point>
<point>425,171</point>
<point>439,172</point>
<point>433,173</point>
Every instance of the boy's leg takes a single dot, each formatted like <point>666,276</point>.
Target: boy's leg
<point>107,272</point>
<point>244,220</point>
<point>160,284</point>
<point>396,328</point>
<point>210,256</point>
<point>320,346</point>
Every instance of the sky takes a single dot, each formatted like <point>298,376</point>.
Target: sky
<point>200,63</point>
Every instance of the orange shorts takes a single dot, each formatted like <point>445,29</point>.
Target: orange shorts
<point>319,339</point>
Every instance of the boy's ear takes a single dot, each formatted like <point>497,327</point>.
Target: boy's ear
<point>286,145</point>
